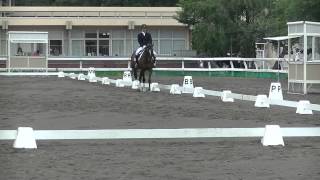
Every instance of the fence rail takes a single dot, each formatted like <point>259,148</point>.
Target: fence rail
<point>161,133</point>
<point>186,64</point>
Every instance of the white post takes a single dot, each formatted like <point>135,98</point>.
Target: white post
<point>182,64</point>
<point>278,62</point>
<point>9,53</point>
<point>305,56</point>
<point>47,55</point>
<point>313,48</point>
<point>289,59</point>
<point>28,61</point>
<point>245,65</point>
<point>231,64</point>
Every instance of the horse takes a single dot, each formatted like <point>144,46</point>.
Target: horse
<point>145,63</point>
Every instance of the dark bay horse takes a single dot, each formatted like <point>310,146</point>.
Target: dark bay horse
<point>145,64</point>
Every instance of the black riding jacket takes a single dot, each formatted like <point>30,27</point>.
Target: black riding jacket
<point>144,39</point>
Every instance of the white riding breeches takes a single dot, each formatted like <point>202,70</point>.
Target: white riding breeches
<point>140,50</point>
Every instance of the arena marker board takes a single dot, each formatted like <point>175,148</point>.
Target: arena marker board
<point>92,74</point>
<point>127,76</point>
<point>275,91</point>
<point>187,84</point>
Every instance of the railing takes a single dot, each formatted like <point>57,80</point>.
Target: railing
<point>174,64</point>
<point>79,14</point>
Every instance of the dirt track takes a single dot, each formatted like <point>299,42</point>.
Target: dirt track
<point>52,103</point>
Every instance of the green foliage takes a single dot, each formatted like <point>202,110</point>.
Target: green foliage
<point>303,10</point>
<point>219,25</point>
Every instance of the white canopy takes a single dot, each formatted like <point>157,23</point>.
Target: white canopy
<point>281,38</point>
<point>28,37</point>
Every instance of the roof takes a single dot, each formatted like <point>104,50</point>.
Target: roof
<point>280,38</point>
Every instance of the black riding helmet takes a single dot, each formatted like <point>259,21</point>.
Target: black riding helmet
<point>143,27</point>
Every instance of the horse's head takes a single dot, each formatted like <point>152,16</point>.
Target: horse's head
<point>148,51</point>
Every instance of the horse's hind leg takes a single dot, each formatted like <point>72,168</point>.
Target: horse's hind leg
<point>141,80</point>
<point>144,81</point>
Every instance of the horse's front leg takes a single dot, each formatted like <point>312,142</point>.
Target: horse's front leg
<point>149,79</point>
<point>135,73</point>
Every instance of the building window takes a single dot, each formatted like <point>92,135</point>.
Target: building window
<point>91,47</point>
<point>129,48</point>
<point>179,45</point>
<point>316,53</point>
<point>77,48</point>
<point>3,47</point>
<point>117,47</point>
<point>91,35</point>
<point>103,47</point>
<point>55,47</point>
<point>165,47</point>
<point>104,35</point>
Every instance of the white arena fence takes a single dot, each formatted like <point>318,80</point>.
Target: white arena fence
<point>203,64</point>
<point>272,135</point>
<point>244,97</point>
<point>161,133</point>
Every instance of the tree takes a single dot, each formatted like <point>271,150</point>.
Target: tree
<point>218,24</point>
<point>303,10</point>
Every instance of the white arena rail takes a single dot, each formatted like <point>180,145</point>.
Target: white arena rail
<point>243,97</point>
<point>160,133</point>
<point>261,64</point>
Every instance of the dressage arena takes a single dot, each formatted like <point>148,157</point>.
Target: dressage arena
<point>51,103</point>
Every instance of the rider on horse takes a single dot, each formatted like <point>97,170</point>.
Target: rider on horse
<point>144,38</point>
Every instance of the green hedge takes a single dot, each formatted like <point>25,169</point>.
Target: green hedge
<point>269,75</point>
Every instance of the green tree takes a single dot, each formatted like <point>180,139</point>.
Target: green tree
<point>220,24</point>
<point>303,10</point>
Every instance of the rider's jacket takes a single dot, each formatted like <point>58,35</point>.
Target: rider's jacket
<point>144,39</point>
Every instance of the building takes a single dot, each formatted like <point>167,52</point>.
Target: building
<point>95,31</point>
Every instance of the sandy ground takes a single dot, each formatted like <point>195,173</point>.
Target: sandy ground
<point>52,103</point>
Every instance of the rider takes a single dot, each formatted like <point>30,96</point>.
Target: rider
<point>144,38</point>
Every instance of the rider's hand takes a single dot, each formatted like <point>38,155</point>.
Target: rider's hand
<point>144,46</point>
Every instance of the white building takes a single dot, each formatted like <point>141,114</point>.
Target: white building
<point>95,31</point>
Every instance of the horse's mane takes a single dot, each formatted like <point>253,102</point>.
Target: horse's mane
<point>147,51</point>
